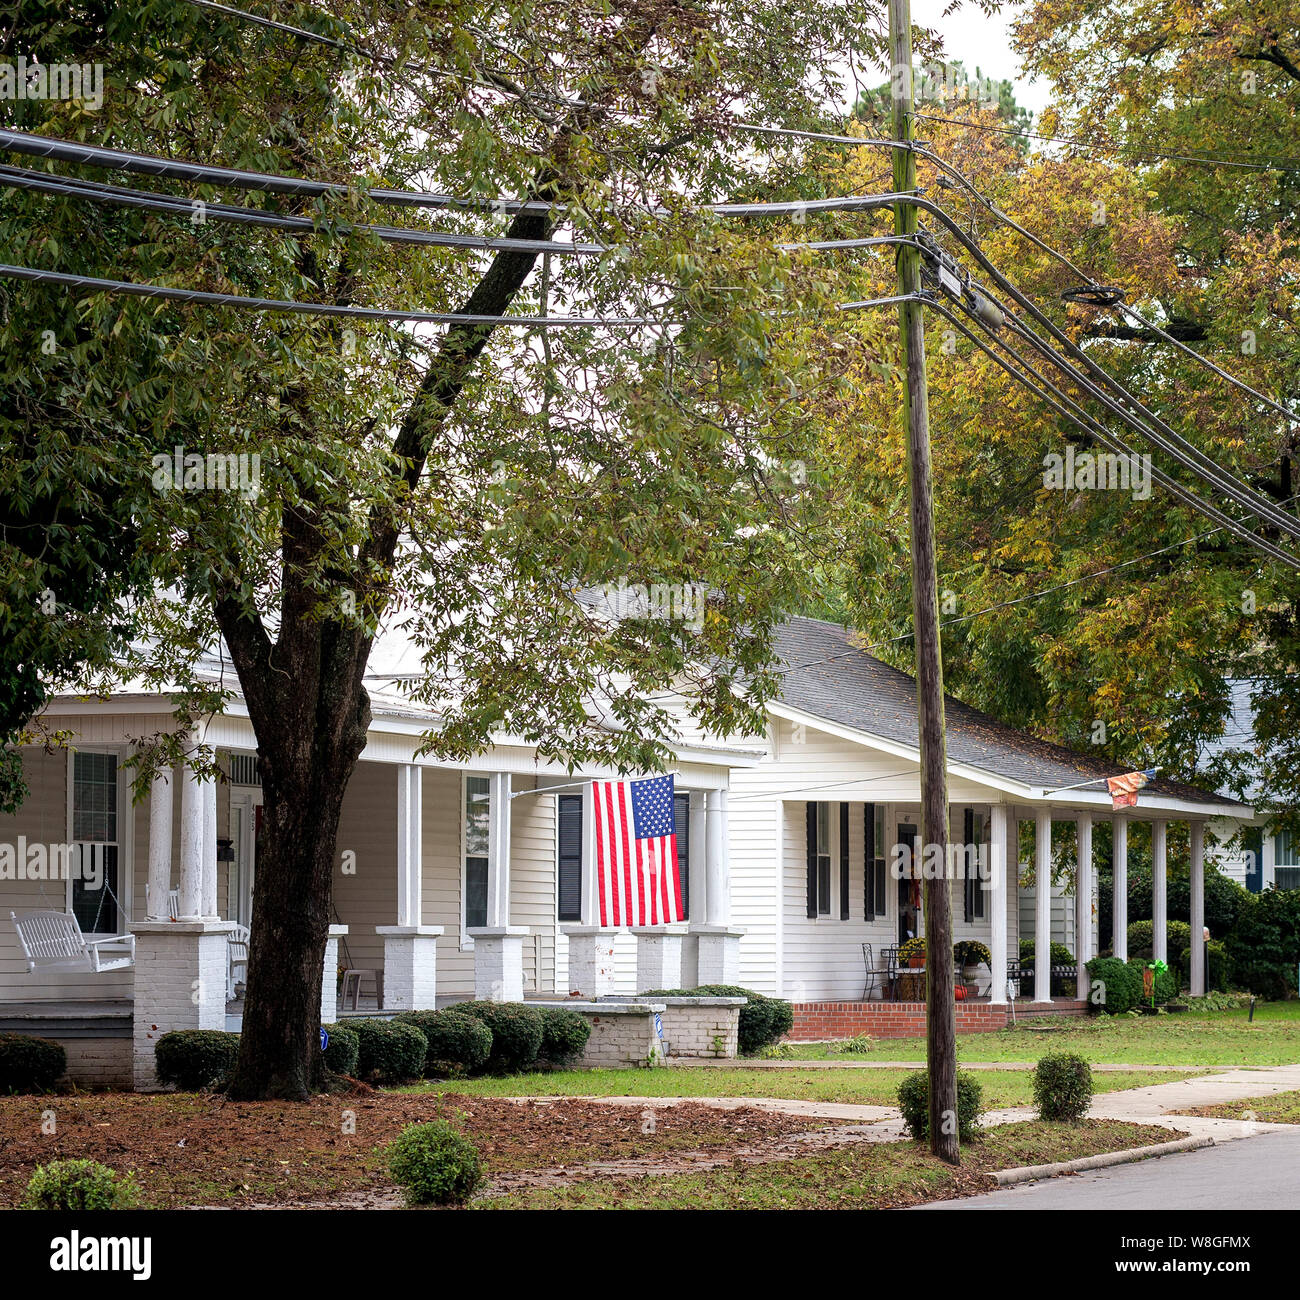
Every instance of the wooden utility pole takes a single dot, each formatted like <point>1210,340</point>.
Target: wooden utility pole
<point>941,1032</point>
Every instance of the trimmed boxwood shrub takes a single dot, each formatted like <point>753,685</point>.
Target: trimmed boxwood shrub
<point>30,1064</point>
<point>78,1185</point>
<point>516,1033</point>
<point>1116,986</point>
<point>1218,966</point>
<point>914,1102</point>
<point>194,1059</point>
<point>435,1164</point>
<point>388,1052</point>
<point>344,1051</point>
<point>763,1020</point>
<point>1178,939</point>
<point>1061,955</point>
<point>458,1043</point>
<point>1062,1086</point>
<point>564,1035</point>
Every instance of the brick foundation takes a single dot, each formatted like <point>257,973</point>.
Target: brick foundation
<point>815,1021</point>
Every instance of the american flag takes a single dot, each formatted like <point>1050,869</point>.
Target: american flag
<point>1124,789</point>
<point>636,852</point>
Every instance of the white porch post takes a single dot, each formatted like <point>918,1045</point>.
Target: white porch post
<point>998,830</point>
<point>1197,910</point>
<point>193,817</point>
<point>1267,858</point>
<point>499,946</point>
<point>160,846</point>
<point>410,948</point>
<point>1083,905</point>
<point>1119,901</point>
<point>329,985</point>
<point>591,945</point>
<point>719,955</point>
<point>1159,909</point>
<point>1043,905</point>
<point>210,851</point>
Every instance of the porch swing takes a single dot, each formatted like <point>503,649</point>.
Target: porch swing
<point>52,940</point>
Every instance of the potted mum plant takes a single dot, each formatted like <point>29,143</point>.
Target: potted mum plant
<point>912,953</point>
<point>970,955</point>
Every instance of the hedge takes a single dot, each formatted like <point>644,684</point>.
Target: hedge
<point>30,1064</point>
<point>516,1033</point>
<point>389,1052</point>
<point>564,1035</point>
<point>1178,939</point>
<point>344,1050</point>
<point>763,1020</point>
<point>458,1043</point>
<point>195,1059</point>
<point>1264,946</point>
<point>1116,986</point>
<point>1062,1086</point>
<point>1218,966</point>
<point>914,1102</point>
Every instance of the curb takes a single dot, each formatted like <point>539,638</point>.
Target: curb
<point>1029,1173</point>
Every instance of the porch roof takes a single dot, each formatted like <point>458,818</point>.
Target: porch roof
<point>829,676</point>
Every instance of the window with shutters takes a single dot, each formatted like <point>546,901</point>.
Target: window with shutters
<point>973,858</point>
<point>819,859</point>
<point>682,829</point>
<point>94,824</point>
<point>569,864</point>
<point>875,896</point>
<point>477,797</point>
<point>844,862</point>
<point>1286,861</point>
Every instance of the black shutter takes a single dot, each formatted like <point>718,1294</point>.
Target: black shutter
<point>844,862</point>
<point>969,882</point>
<point>569,872</point>
<point>682,829</point>
<point>868,862</point>
<point>811,808</point>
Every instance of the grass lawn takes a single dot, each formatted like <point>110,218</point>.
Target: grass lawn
<point>1192,1038</point>
<point>1280,1108</point>
<point>867,1176</point>
<point>860,1087</point>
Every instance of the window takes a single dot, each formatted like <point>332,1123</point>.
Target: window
<point>972,876</point>
<point>873,862</point>
<point>1286,867</point>
<point>682,829</point>
<point>819,858</point>
<point>844,862</point>
<point>476,849</point>
<point>569,866</point>
<point>94,822</point>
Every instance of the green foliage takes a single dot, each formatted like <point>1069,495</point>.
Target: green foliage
<point>458,1043</point>
<point>1224,897</point>
<point>914,1102</point>
<point>30,1064</point>
<point>1061,955</point>
<point>1264,946</point>
<point>516,1033</point>
<point>1178,939</point>
<point>1116,986</point>
<point>1218,966</point>
<point>435,1164</point>
<point>913,947</point>
<point>763,1020</point>
<point>79,1185</point>
<point>564,1035</point>
<point>1062,1086</point>
<point>1166,982</point>
<point>388,1052</point>
<point>194,1059</point>
<point>344,1051</point>
<point>971,952</point>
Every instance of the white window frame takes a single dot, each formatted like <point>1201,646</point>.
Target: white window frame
<point>125,842</point>
<point>466,940</point>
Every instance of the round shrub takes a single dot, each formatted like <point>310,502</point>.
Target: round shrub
<point>1062,1086</point>
<point>388,1052</point>
<point>458,1043</point>
<point>30,1064</point>
<point>564,1035</point>
<point>1178,939</point>
<point>914,1102</point>
<point>78,1185</point>
<point>1060,954</point>
<point>435,1164</point>
<point>194,1059</point>
<point>344,1050</point>
<point>1116,986</point>
<point>516,1033</point>
<point>1218,966</point>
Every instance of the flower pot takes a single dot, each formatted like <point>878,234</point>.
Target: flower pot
<point>915,963</point>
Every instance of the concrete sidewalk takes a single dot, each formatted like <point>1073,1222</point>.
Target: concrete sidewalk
<point>848,1063</point>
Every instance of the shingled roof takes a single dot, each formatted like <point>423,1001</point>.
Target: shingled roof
<point>828,675</point>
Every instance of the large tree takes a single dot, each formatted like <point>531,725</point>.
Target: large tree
<point>468,480</point>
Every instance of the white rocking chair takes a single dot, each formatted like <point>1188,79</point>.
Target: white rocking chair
<point>53,941</point>
<point>236,960</point>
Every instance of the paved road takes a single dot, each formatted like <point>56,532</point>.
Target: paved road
<point>1262,1173</point>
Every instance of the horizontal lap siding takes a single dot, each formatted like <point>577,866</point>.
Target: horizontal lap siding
<point>532,881</point>
<point>368,829</point>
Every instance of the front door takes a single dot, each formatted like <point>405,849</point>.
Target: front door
<point>908,918</point>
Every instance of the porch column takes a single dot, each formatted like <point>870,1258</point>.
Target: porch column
<point>998,830</point>
<point>658,957</point>
<point>719,956</point>
<point>498,945</point>
<point>1119,901</point>
<point>1197,909</point>
<point>591,945</point>
<point>160,846</point>
<point>210,851</point>
<point>329,985</point>
<point>1043,905</point>
<point>1267,858</point>
<point>1083,905</point>
<point>193,819</point>
<point>410,948</point>
<point>1159,909</point>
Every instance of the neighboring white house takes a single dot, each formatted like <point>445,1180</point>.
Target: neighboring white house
<point>475,879</point>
